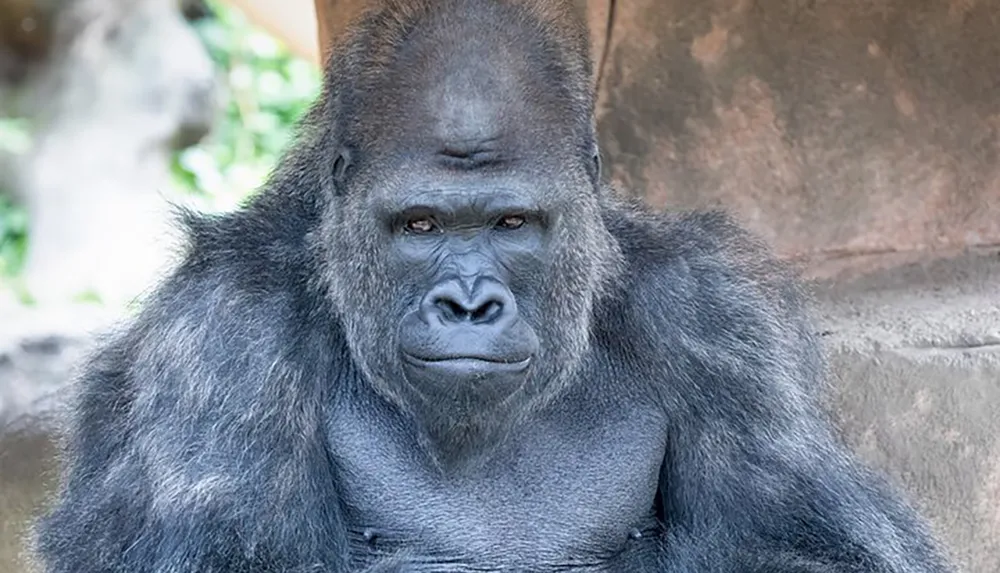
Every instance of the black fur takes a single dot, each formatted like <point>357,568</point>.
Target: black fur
<point>254,418</point>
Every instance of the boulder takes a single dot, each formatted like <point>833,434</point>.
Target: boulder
<point>915,369</point>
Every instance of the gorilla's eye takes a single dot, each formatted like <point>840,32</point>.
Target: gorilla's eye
<point>510,222</point>
<point>421,225</point>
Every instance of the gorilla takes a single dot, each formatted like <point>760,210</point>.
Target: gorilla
<point>437,341</point>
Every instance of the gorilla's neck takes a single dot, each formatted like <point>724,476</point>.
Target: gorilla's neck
<point>463,437</point>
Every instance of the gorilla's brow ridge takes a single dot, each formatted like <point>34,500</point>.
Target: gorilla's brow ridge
<point>461,202</point>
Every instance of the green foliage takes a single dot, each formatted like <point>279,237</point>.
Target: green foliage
<point>89,296</point>
<point>14,139</point>
<point>268,90</point>
<point>13,237</point>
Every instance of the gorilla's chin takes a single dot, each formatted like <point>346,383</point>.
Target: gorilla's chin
<point>464,405</point>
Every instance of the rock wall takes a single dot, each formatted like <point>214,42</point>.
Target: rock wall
<point>915,364</point>
<point>833,128</point>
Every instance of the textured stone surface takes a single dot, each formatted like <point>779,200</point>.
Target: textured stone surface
<point>832,128</point>
<point>915,364</point>
<point>39,351</point>
<point>27,477</point>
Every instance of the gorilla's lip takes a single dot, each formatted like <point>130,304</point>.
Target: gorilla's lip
<point>470,362</point>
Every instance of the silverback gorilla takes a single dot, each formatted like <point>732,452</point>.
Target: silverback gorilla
<point>435,341</point>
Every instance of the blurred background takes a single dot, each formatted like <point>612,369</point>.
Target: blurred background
<point>111,111</point>
<point>861,138</point>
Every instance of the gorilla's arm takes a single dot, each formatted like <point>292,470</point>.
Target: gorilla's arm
<point>197,442</point>
<point>754,479</point>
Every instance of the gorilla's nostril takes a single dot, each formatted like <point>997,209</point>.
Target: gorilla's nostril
<point>450,309</point>
<point>453,311</point>
<point>487,312</point>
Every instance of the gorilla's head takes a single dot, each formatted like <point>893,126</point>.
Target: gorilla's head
<point>464,236</point>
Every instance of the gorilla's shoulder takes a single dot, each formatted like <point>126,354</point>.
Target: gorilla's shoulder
<point>672,253</point>
<point>269,232</point>
<point>246,280</point>
<point>699,284</point>
<point>696,244</point>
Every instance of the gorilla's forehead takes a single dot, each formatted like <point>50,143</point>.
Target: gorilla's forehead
<point>470,111</point>
<point>456,82</point>
<point>478,108</point>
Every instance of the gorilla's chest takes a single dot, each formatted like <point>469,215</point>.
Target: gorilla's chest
<point>575,488</point>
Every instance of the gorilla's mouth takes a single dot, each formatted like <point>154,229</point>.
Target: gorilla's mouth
<point>456,382</point>
<point>464,365</point>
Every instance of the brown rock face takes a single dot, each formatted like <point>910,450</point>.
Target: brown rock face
<point>833,129</point>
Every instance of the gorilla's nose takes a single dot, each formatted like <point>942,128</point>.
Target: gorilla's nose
<point>490,303</point>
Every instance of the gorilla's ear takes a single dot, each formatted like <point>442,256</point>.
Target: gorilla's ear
<point>596,158</point>
<point>342,163</point>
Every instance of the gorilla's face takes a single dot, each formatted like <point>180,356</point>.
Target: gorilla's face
<point>472,257</point>
<point>465,286</point>
<point>466,253</point>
